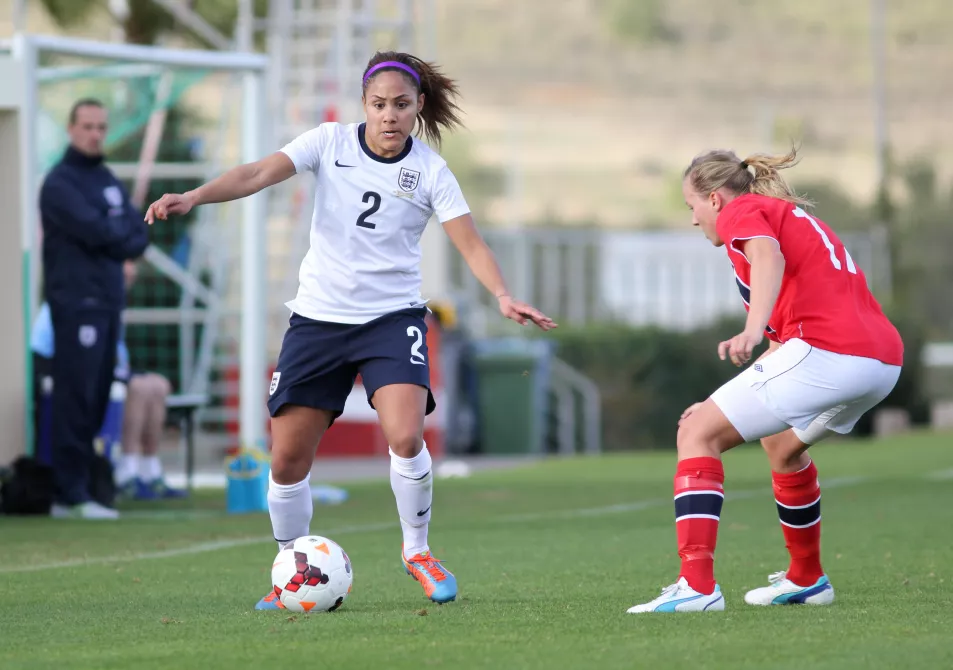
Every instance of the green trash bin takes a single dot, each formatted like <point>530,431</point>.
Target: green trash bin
<point>512,398</point>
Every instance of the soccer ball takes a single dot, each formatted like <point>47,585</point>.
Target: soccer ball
<point>313,575</point>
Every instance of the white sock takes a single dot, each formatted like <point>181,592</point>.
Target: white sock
<point>290,507</point>
<point>412,482</point>
<point>150,468</point>
<point>127,468</point>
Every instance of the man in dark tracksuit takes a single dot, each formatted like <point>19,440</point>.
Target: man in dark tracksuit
<point>89,229</point>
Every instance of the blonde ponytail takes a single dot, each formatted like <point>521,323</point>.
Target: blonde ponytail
<point>758,173</point>
<point>767,179</point>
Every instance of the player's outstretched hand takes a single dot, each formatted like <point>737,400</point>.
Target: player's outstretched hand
<point>740,347</point>
<point>169,204</point>
<point>522,313</point>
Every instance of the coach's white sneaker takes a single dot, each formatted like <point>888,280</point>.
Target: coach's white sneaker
<point>87,510</point>
<point>680,597</point>
<point>783,591</point>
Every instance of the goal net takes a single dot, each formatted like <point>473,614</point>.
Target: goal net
<point>196,312</point>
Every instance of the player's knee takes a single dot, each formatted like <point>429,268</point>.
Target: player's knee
<point>152,387</point>
<point>407,443</point>
<point>138,386</point>
<point>785,451</point>
<point>778,462</point>
<point>161,387</point>
<point>288,467</point>
<point>691,438</point>
<point>774,449</point>
<point>791,461</point>
<point>697,437</point>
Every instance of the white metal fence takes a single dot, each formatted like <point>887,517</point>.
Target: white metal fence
<point>671,279</point>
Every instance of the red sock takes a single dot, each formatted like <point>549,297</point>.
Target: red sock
<point>799,508</point>
<point>698,497</point>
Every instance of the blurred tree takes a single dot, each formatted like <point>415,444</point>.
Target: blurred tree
<point>71,13</point>
<point>147,21</point>
<point>480,182</point>
<point>835,207</point>
<point>641,21</point>
<point>921,240</point>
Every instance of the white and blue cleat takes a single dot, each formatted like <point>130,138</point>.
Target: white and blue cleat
<point>680,597</point>
<point>782,591</point>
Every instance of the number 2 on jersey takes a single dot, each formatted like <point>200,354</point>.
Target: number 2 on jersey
<point>375,200</point>
<point>835,261</point>
<point>416,357</point>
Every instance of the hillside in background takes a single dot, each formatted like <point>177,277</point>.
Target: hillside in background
<point>601,103</point>
<point>588,110</point>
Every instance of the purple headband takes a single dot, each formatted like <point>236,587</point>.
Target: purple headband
<point>392,63</point>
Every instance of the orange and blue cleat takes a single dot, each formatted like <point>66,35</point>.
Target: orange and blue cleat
<point>270,602</point>
<point>438,582</point>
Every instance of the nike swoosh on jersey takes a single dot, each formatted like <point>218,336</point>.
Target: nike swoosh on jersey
<point>338,164</point>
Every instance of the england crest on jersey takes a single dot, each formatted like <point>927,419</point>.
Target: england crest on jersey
<point>87,336</point>
<point>408,179</point>
<point>113,196</point>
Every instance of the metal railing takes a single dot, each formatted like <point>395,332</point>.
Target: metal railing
<point>576,397</point>
<point>671,279</point>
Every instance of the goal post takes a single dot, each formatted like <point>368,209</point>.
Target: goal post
<point>150,80</point>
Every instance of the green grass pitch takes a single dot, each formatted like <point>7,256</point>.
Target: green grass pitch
<point>548,558</point>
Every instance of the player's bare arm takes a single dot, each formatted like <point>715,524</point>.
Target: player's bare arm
<point>482,263</point>
<point>767,271</point>
<point>239,182</point>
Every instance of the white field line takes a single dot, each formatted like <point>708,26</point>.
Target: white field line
<point>639,505</point>
<point>217,545</point>
<point>200,548</point>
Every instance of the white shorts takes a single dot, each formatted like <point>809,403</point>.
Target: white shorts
<point>802,387</point>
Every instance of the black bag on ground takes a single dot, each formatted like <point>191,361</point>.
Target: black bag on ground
<point>26,487</point>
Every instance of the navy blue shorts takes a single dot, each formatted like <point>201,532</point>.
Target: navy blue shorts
<point>320,360</point>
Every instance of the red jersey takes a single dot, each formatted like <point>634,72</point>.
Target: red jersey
<point>824,298</point>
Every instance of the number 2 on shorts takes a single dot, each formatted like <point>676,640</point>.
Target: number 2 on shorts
<point>416,357</point>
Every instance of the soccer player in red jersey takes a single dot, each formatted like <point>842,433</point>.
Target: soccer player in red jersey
<point>832,356</point>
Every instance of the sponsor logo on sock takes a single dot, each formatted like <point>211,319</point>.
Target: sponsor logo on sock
<point>424,512</point>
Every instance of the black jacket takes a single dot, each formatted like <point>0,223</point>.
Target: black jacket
<point>89,229</point>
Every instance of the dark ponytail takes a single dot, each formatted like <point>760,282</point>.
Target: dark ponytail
<point>440,110</point>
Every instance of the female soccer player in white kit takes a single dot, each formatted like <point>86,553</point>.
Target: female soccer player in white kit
<point>358,309</point>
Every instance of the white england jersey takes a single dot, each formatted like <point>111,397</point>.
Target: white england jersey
<point>369,215</point>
